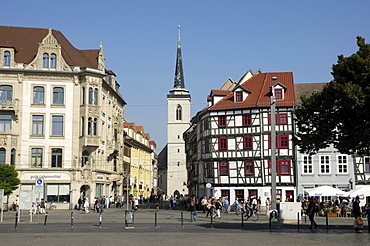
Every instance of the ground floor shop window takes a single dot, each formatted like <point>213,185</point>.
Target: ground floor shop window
<point>57,192</point>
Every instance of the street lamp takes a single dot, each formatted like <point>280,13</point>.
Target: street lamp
<point>273,146</point>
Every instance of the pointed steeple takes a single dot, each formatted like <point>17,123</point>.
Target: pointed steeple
<point>179,75</point>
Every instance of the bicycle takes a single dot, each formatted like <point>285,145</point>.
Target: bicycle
<point>254,215</point>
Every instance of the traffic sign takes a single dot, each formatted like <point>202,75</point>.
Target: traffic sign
<point>39,182</point>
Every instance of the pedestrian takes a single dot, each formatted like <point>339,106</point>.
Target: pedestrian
<point>218,207</point>
<point>101,204</point>
<point>156,202</point>
<point>192,210</point>
<point>259,203</point>
<point>237,208</point>
<point>79,202</point>
<point>87,205</point>
<point>358,223</point>
<point>367,211</point>
<point>226,205</point>
<point>203,204</point>
<point>268,205</point>
<point>42,206</point>
<point>312,208</point>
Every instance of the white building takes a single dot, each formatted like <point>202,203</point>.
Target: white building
<point>173,173</point>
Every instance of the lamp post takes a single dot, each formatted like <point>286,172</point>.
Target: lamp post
<point>273,146</point>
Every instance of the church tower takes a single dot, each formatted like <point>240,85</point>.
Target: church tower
<point>178,106</point>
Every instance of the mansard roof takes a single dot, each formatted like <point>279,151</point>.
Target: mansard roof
<point>25,41</point>
<point>259,87</point>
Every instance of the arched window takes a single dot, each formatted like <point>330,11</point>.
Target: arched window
<point>179,112</point>
<point>95,127</point>
<point>6,92</point>
<point>53,60</point>
<point>2,155</point>
<point>45,60</point>
<point>58,95</point>
<point>12,157</point>
<point>6,58</point>
<point>89,126</point>
<point>85,158</point>
<point>90,96</point>
<point>38,95</point>
<point>96,97</point>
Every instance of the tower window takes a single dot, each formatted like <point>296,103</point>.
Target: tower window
<point>179,112</point>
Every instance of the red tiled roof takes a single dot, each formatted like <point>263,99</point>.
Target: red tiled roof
<point>259,86</point>
<point>25,40</point>
<point>128,124</point>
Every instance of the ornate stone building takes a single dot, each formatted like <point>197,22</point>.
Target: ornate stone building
<point>60,116</point>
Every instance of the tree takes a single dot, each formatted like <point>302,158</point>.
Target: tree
<point>340,113</point>
<point>8,179</point>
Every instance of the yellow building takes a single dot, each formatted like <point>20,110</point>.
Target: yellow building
<point>139,156</point>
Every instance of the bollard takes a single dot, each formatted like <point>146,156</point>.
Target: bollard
<point>270,223</point>
<point>16,220</point>
<point>298,220</point>
<point>243,220</point>
<point>182,220</point>
<point>327,221</point>
<point>155,219</point>
<point>71,219</point>
<point>46,217</point>
<point>100,218</point>
<point>305,218</point>
<point>211,220</point>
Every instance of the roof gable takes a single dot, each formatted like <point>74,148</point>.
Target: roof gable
<point>259,88</point>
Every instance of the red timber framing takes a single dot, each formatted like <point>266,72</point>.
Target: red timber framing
<point>238,127</point>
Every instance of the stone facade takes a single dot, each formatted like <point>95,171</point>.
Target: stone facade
<point>61,116</point>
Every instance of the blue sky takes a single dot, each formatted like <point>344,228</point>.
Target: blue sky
<point>220,39</point>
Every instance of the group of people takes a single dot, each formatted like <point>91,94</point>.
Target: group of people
<point>313,207</point>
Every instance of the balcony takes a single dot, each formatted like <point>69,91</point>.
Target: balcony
<point>10,105</point>
<point>112,146</point>
<point>90,141</point>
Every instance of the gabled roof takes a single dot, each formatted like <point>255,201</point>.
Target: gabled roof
<point>259,86</point>
<point>25,41</point>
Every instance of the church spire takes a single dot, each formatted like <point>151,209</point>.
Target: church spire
<point>179,75</point>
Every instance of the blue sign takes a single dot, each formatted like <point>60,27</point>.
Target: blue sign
<point>39,182</point>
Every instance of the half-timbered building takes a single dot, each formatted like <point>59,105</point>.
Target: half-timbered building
<point>228,144</point>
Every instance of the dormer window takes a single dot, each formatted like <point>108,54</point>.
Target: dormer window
<point>45,60</point>
<point>53,61</point>
<point>278,93</point>
<point>6,58</point>
<point>238,96</point>
<point>49,61</point>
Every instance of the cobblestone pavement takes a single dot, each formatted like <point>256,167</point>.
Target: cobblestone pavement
<point>170,228</point>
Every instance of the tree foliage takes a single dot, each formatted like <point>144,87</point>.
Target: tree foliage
<point>8,179</point>
<point>340,113</point>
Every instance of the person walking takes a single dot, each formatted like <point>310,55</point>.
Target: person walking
<point>237,208</point>
<point>268,205</point>
<point>87,205</point>
<point>203,204</point>
<point>192,210</point>
<point>357,214</point>
<point>42,206</point>
<point>226,205</point>
<point>312,209</point>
